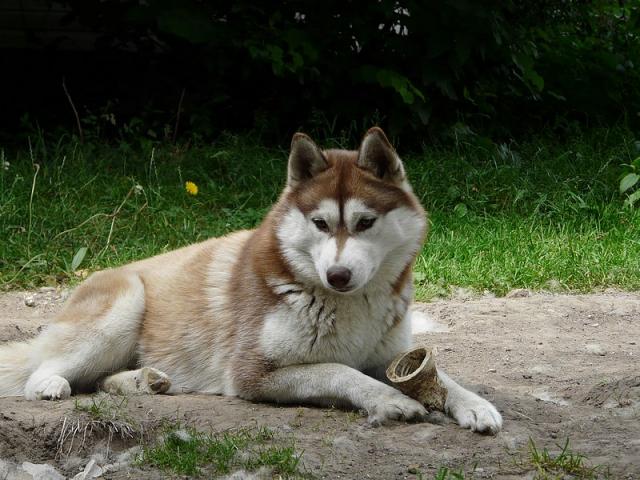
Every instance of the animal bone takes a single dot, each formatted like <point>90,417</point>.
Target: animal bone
<point>414,374</point>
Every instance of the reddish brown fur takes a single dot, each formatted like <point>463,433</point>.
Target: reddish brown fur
<point>250,294</point>
<point>344,179</point>
<point>94,297</point>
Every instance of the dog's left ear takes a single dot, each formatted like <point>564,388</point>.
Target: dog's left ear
<point>378,156</point>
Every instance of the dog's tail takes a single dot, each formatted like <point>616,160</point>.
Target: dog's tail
<point>17,362</point>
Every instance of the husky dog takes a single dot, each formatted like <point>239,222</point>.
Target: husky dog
<point>310,307</point>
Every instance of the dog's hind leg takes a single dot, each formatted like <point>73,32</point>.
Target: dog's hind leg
<point>95,335</point>
<point>145,380</point>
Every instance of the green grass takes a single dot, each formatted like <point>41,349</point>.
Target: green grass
<point>445,473</point>
<point>540,214</point>
<point>566,464</point>
<point>542,464</point>
<point>193,453</point>
<point>103,406</point>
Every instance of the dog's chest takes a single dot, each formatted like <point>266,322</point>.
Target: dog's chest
<point>309,327</point>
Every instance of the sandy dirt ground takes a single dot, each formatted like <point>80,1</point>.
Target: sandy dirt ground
<point>557,367</point>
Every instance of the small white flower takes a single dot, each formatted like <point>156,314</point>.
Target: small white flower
<point>138,189</point>
<point>5,165</point>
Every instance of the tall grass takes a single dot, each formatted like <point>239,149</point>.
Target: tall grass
<point>539,214</point>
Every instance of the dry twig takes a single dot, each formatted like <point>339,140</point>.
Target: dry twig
<point>75,112</point>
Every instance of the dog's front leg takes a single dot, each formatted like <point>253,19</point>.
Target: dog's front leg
<point>466,408</point>
<point>334,383</point>
<point>470,410</point>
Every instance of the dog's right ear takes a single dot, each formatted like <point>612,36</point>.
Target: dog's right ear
<point>305,160</point>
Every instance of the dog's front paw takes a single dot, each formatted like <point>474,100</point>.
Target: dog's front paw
<point>395,406</point>
<point>51,388</point>
<point>475,413</point>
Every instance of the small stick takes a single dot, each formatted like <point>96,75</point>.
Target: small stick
<point>113,216</point>
<point>75,112</point>
<point>175,128</point>
<point>33,189</point>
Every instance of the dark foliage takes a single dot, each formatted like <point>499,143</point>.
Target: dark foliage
<point>339,66</point>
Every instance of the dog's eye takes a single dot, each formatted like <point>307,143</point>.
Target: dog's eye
<point>365,224</point>
<point>320,224</point>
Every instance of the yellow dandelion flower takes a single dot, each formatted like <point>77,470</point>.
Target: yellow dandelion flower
<point>191,188</point>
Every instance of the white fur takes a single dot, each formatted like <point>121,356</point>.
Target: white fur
<point>81,353</point>
<point>17,362</point>
<point>470,410</point>
<point>381,251</point>
<point>338,384</point>
<point>297,235</point>
<point>334,328</point>
<point>213,374</point>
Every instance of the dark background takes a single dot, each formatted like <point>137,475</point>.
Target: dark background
<point>419,69</point>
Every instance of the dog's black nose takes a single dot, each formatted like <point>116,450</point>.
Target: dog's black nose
<point>338,277</point>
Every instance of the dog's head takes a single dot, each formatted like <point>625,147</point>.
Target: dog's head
<point>348,219</point>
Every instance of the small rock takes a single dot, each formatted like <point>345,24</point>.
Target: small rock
<point>519,293</point>
<point>98,458</point>
<point>30,301</point>
<point>286,428</point>
<point>260,474</point>
<point>181,435</point>
<point>542,394</point>
<point>510,442</point>
<point>73,462</point>
<point>92,470</point>
<point>41,471</point>
<point>595,349</point>
<point>413,469</point>
<point>11,471</point>
<point>344,444</point>
<point>5,467</point>
<point>492,370</point>
<point>129,456</point>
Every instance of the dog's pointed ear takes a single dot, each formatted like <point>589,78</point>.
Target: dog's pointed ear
<point>305,160</point>
<point>378,156</point>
